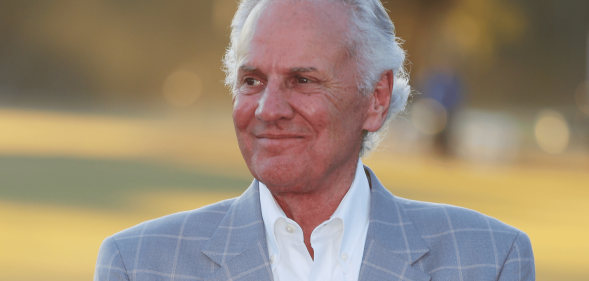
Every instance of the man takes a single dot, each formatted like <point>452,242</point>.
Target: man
<point>313,82</point>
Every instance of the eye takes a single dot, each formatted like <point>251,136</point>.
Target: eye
<point>303,80</point>
<point>251,81</point>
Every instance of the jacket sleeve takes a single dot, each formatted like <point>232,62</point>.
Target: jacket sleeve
<point>519,264</point>
<point>109,265</point>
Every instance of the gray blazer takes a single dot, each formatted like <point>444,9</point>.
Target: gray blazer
<point>407,240</point>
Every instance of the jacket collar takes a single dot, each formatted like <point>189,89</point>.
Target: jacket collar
<point>393,245</point>
<point>238,245</point>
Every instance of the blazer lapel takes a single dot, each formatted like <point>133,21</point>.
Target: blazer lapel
<point>393,245</point>
<point>392,250</point>
<point>238,245</point>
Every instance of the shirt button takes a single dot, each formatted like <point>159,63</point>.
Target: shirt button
<point>272,259</point>
<point>344,257</point>
<point>290,228</point>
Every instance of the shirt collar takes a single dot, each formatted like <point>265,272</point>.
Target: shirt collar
<point>271,213</point>
<point>353,211</point>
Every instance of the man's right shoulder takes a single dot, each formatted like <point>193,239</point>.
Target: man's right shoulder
<point>200,222</point>
<point>160,247</point>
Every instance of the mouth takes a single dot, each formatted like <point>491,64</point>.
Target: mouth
<point>279,143</point>
<point>279,136</point>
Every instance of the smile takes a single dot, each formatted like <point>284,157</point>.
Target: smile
<point>279,136</point>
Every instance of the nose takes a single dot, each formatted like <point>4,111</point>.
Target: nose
<point>274,105</point>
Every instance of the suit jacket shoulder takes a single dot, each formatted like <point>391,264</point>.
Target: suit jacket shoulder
<point>154,247</point>
<point>440,242</point>
<point>474,241</point>
<point>182,223</point>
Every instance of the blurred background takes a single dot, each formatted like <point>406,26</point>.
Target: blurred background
<point>113,112</point>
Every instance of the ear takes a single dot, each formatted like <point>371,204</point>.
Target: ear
<point>379,102</point>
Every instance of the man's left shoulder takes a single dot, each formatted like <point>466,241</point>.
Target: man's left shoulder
<point>433,219</point>
<point>476,240</point>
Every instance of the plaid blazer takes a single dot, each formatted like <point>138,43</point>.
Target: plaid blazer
<point>406,240</point>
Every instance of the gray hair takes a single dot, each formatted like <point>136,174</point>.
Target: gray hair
<point>372,42</point>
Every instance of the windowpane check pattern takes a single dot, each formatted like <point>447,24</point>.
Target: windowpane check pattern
<point>406,240</point>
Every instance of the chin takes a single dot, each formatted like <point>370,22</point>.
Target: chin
<point>281,171</point>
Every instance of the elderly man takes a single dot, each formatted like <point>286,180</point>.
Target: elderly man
<point>313,82</point>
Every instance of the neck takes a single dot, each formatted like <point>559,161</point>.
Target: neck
<point>310,209</point>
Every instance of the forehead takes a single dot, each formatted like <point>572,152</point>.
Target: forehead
<point>302,33</point>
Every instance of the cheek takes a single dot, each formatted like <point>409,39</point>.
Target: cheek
<point>315,111</point>
<point>345,124</point>
<point>324,119</point>
<point>244,108</point>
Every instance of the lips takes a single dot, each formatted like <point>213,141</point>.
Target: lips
<point>278,143</point>
<point>279,136</point>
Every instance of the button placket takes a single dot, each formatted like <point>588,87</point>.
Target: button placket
<point>290,228</point>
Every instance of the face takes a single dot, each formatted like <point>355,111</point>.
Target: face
<point>296,109</point>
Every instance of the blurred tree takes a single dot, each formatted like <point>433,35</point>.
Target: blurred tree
<point>519,52</point>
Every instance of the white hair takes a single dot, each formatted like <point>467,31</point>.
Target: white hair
<point>371,41</point>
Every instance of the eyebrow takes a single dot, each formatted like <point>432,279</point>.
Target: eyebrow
<point>247,68</point>
<point>303,69</point>
<point>292,70</point>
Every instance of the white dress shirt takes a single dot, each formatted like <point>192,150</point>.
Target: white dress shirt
<point>338,243</point>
